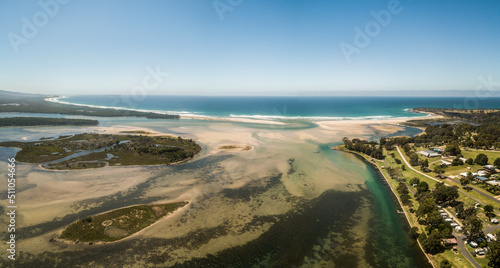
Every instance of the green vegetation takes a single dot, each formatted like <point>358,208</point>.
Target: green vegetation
<point>100,150</point>
<point>27,103</point>
<point>117,224</point>
<point>41,121</point>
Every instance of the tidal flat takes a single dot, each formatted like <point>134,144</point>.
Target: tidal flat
<point>289,201</point>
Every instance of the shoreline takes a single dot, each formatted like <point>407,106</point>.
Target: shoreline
<point>400,204</point>
<point>320,120</point>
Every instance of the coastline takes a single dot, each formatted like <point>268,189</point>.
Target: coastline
<point>400,203</point>
<point>322,121</point>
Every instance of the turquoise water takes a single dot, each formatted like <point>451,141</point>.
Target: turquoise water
<point>284,107</point>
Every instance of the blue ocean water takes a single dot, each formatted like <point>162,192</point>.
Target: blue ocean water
<point>284,107</point>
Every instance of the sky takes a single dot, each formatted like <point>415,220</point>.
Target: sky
<point>248,47</point>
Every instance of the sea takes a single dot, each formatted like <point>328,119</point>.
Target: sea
<point>283,108</point>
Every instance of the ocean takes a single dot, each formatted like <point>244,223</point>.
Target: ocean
<point>280,108</point>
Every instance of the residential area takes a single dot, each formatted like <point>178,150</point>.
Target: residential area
<point>449,192</point>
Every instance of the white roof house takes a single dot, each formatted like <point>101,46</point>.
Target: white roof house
<point>445,163</point>
<point>429,153</point>
<point>490,167</point>
<point>494,183</point>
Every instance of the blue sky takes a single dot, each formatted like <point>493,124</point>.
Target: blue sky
<point>250,47</point>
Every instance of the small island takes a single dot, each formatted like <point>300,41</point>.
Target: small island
<point>42,121</point>
<point>90,150</point>
<point>117,224</point>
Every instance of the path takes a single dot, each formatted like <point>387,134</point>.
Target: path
<point>464,193</point>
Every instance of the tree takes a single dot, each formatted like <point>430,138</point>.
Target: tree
<point>457,162</point>
<point>470,161</point>
<point>497,162</point>
<point>432,244</point>
<point>488,210</point>
<point>426,207</point>
<point>481,159</point>
<point>494,254</point>
<point>424,164</point>
<point>413,233</point>
<point>439,170</point>
<point>473,226</point>
<point>402,188</point>
<point>403,167</point>
<point>452,149</point>
<point>415,181</point>
<point>464,181</point>
<point>423,187</point>
<point>445,264</point>
<point>445,194</point>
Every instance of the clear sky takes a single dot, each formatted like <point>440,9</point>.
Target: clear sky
<point>251,47</point>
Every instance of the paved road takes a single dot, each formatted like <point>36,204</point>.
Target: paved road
<point>463,192</point>
<point>477,191</point>
<point>463,249</point>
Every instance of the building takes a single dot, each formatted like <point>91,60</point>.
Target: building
<point>493,183</point>
<point>429,153</point>
<point>482,179</point>
<point>446,163</point>
<point>489,167</point>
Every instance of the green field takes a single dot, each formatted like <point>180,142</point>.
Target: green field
<point>117,224</point>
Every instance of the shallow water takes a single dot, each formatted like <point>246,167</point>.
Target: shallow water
<point>288,203</point>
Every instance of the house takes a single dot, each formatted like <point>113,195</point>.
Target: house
<point>491,237</point>
<point>480,251</point>
<point>446,163</point>
<point>450,241</point>
<point>448,220</point>
<point>439,150</point>
<point>482,173</point>
<point>458,229</point>
<point>464,174</point>
<point>482,179</point>
<point>495,221</point>
<point>493,183</point>
<point>489,167</point>
<point>454,224</point>
<point>429,153</point>
<point>473,244</point>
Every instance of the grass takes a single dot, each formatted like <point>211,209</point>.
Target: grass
<point>471,153</point>
<point>117,224</point>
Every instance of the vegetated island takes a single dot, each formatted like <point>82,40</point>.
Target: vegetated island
<point>462,159</point>
<point>117,224</point>
<point>476,116</point>
<point>90,150</point>
<point>11,102</point>
<point>42,121</point>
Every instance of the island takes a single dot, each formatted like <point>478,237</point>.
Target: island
<point>91,150</point>
<point>42,121</point>
<point>117,224</point>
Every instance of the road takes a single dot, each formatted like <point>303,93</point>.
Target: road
<point>460,237</point>
<point>463,192</point>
